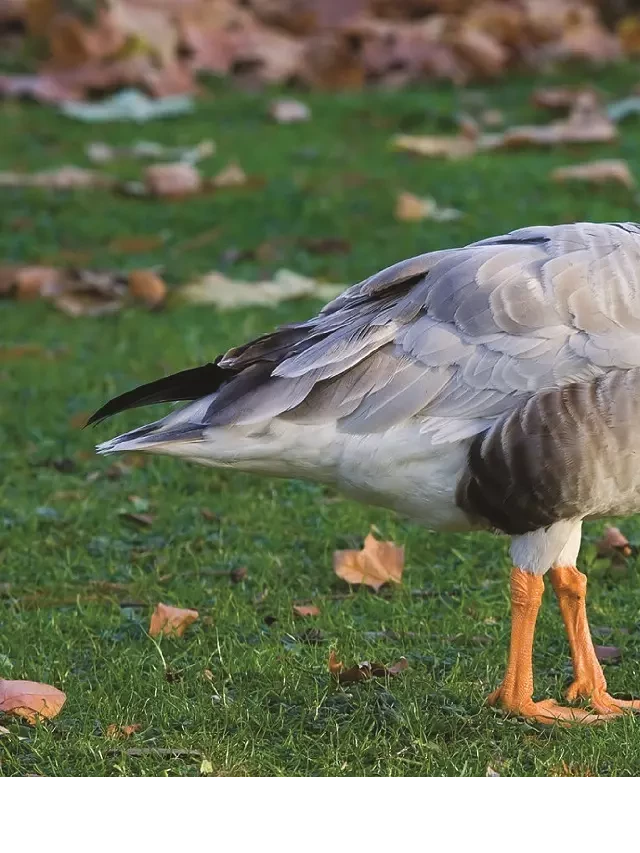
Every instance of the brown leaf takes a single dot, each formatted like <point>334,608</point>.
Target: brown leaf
<point>412,208</point>
<point>169,620</point>
<point>147,287</point>
<point>608,654</point>
<point>172,180</point>
<point>117,732</point>
<point>233,175</point>
<point>306,610</point>
<point>628,31</point>
<point>452,147</point>
<point>142,519</point>
<point>363,671</point>
<point>325,245</point>
<point>596,172</point>
<point>288,111</point>
<point>613,541</point>
<point>376,564</point>
<point>238,574</point>
<point>30,700</point>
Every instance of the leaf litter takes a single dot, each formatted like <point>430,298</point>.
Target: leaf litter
<point>364,670</point>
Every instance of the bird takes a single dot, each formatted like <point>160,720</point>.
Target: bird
<point>494,386</point>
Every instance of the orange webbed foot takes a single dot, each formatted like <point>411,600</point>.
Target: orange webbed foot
<point>547,711</point>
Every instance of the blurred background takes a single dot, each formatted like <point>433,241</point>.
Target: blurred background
<point>177,176</point>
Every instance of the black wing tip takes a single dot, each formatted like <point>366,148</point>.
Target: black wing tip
<point>190,384</point>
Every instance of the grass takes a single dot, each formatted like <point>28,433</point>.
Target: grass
<point>269,706</point>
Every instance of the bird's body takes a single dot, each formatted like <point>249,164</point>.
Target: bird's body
<point>495,385</point>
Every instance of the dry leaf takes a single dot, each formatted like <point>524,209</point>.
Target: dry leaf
<point>233,175</point>
<point>30,700</point>
<point>363,671</point>
<point>169,620</point>
<point>613,541</point>
<point>117,732</point>
<point>100,152</point>
<point>412,208</point>
<point>596,172</point>
<point>376,564</point>
<point>216,289</point>
<point>586,123</point>
<point>560,97</point>
<point>142,519</point>
<point>453,147</point>
<point>306,610</point>
<point>147,287</point>
<point>608,654</point>
<point>62,178</point>
<point>172,180</point>
<point>288,111</point>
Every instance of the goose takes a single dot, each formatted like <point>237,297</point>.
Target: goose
<point>493,386</point>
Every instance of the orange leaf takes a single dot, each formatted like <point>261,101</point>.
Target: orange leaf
<point>30,700</point>
<point>119,732</point>
<point>376,564</point>
<point>306,610</point>
<point>613,540</point>
<point>147,287</point>
<point>166,620</point>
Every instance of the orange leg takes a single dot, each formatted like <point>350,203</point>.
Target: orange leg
<point>570,587</point>
<point>515,694</point>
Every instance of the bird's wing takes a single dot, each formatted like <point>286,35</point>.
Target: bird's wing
<point>457,337</point>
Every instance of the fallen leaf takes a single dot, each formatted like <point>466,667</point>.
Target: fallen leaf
<point>613,541</point>
<point>491,771</point>
<point>30,700</point>
<point>62,178</point>
<point>136,245</point>
<point>412,208</point>
<point>288,111</point>
<point>587,122</point>
<point>142,519</point>
<point>169,620</point>
<point>363,671</point>
<point>560,97</point>
<point>101,152</point>
<point>325,245</point>
<point>596,172</point>
<point>628,31</point>
<point>608,654</point>
<point>209,515</point>
<point>206,767</point>
<point>216,289</point>
<point>129,105</point>
<point>233,175</point>
<point>172,180</point>
<point>452,147</point>
<point>376,564</point>
<point>145,286</point>
<point>238,574</point>
<point>306,610</point>
<point>117,732</point>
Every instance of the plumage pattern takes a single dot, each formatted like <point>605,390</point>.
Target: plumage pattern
<point>521,351</point>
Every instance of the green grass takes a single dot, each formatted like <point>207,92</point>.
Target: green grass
<point>270,707</point>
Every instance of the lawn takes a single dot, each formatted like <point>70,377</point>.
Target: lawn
<point>247,688</point>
